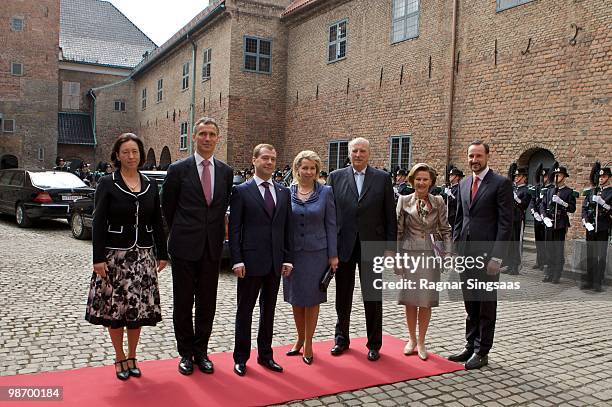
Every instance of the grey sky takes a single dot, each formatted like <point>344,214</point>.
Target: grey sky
<point>160,19</point>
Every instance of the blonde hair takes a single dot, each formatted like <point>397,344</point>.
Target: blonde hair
<point>422,167</point>
<point>297,163</point>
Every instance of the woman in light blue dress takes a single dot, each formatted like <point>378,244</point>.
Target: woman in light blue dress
<point>314,233</point>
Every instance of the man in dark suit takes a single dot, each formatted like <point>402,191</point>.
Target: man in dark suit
<point>261,250</point>
<point>365,208</point>
<point>483,227</point>
<point>522,199</point>
<point>195,197</point>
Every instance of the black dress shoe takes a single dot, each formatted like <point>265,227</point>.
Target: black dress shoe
<point>535,267</point>
<point>598,289</point>
<point>124,372</point>
<point>463,356</point>
<point>134,371</point>
<point>308,359</point>
<point>476,362</point>
<point>555,281</point>
<point>586,286</point>
<point>373,355</point>
<point>185,366</point>
<point>338,350</point>
<point>547,279</point>
<point>270,364</point>
<point>205,365</point>
<point>240,369</point>
<point>293,352</point>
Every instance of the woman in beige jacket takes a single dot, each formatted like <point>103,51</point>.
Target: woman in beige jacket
<point>421,220</point>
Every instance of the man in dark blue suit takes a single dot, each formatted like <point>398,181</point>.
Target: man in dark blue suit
<point>261,250</point>
<point>194,201</point>
<point>483,227</point>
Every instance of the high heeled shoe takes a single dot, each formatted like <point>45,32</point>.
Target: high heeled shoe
<point>133,371</point>
<point>124,373</point>
<point>422,351</point>
<point>294,352</point>
<point>409,348</point>
<point>308,359</point>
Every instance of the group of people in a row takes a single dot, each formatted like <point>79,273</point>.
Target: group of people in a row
<point>291,234</point>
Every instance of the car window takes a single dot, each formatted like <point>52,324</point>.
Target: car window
<point>17,179</point>
<point>56,180</point>
<point>5,176</point>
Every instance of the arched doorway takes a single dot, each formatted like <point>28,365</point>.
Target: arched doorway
<point>164,159</point>
<point>8,161</point>
<point>531,159</point>
<point>151,161</point>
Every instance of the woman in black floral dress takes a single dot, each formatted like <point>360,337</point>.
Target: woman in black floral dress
<point>129,249</point>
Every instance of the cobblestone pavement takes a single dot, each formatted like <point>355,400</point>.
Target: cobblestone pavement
<point>551,351</point>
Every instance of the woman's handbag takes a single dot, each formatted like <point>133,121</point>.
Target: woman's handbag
<point>326,279</point>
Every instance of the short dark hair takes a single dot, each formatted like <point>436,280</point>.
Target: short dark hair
<point>480,143</point>
<point>124,138</point>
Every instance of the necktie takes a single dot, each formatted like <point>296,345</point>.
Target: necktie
<point>205,180</point>
<point>359,181</point>
<point>268,200</point>
<point>475,187</point>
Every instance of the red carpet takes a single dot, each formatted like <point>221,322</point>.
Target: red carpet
<point>162,385</point>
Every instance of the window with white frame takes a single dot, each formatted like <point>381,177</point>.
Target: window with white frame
<point>506,4</point>
<point>400,152</point>
<point>185,80</point>
<point>183,137</point>
<point>257,55</point>
<point>143,99</point>
<point>160,90</point>
<point>17,24</point>
<point>71,95</point>
<point>336,46</point>
<point>119,105</point>
<point>8,125</point>
<point>338,153</point>
<point>16,68</point>
<point>405,19</point>
<point>206,63</point>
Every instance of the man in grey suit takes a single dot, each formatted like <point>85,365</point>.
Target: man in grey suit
<point>365,209</point>
<point>195,197</point>
<point>483,227</point>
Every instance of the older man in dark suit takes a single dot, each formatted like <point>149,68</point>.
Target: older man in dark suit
<point>365,209</point>
<point>261,249</point>
<point>483,227</point>
<point>195,196</point>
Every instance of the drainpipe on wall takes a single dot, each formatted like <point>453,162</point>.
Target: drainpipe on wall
<point>449,123</point>
<point>194,49</point>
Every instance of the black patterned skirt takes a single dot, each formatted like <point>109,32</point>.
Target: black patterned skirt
<point>129,294</point>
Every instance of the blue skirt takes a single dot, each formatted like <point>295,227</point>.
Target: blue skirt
<point>301,288</point>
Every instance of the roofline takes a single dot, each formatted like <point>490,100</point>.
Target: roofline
<point>300,8</point>
<point>128,68</point>
<point>169,46</point>
<point>130,21</point>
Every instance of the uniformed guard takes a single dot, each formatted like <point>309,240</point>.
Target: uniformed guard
<point>450,194</point>
<point>556,204</point>
<point>597,220</point>
<point>522,198</point>
<point>323,177</point>
<point>401,186</point>
<point>538,223</point>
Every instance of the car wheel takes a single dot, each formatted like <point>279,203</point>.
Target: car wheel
<point>21,216</point>
<point>79,231</point>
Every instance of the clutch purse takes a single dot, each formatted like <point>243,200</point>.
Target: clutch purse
<point>326,279</point>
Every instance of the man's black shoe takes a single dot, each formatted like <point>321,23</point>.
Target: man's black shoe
<point>598,289</point>
<point>338,350</point>
<point>555,281</point>
<point>270,364</point>
<point>185,366</point>
<point>205,365</point>
<point>240,369</point>
<point>535,267</point>
<point>586,286</point>
<point>373,355</point>
<point>476,362</point>
<point>463,356</point>
<point>547,279</point>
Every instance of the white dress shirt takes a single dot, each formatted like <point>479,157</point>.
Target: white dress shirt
<point>262,189</point>
<point>211,169</point>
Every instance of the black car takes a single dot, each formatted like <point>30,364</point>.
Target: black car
<point>39,194</point>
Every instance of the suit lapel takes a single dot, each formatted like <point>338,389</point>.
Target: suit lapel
<point>280,199</point>
<point>254,190</point>
<point>194,176</point>
<point>369,175</point>
<point>350,179</point>
<point>466,191</point>
<point>219,184</point>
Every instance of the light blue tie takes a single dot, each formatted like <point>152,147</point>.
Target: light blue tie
<point>359,181</point>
